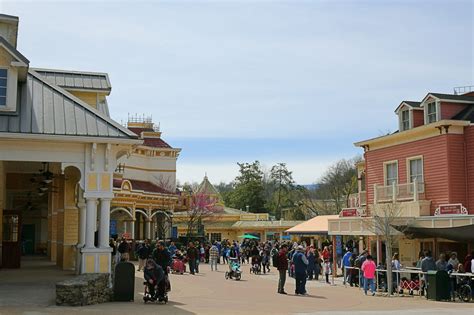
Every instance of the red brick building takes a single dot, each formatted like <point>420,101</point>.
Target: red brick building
<point>427,169</point>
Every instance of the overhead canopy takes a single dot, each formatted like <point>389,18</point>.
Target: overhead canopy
<point>315,226</point>
<point>463,233</point>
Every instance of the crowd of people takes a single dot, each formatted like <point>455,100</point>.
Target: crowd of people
<point>297,260</point>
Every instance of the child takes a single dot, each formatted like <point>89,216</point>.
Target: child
<point>153,274</point>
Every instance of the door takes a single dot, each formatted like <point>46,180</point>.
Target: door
<point>28,239</point>
<point>11,252</point>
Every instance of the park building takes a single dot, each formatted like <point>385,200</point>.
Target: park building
<point>222,222</point>
<point>424,172</point>
<point>71,176</point>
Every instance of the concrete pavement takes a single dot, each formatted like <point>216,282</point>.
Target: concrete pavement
<point>209,293</point>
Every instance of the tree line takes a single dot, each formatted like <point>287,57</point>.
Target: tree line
<point>274,190</point>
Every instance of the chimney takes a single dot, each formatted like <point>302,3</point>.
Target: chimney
<point>9,28</point>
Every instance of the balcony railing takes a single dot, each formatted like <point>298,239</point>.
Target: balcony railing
<point>358,199</point>
<point>398,192</point>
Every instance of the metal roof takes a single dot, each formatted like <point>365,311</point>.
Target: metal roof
<point>76,79</point>
<point>44,108</point>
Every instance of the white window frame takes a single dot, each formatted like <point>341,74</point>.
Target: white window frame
<point>438,111</point>
<point>215,234</point>
<point>412,158</point>
<point>385,164</point>
<point>410,119</point>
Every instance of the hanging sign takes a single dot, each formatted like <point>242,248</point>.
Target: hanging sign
<point>349,212</point>
<point>451,209</point>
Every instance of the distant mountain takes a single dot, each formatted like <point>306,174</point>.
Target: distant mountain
<point>311,186</point>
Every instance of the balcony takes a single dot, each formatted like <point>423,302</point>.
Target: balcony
<point>399,192</point>
<point>357,200</point>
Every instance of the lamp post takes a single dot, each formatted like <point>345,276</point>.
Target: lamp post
<point>247,206</point>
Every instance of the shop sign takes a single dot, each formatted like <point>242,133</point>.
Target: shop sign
<point>451,209</point>
<point>349,212</point>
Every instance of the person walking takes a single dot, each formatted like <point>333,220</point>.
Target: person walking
<point>427,264</point>
<point>213,256</point>
<point>327,264</point>
<point>346,262</point>
<point>124,249</point>
<point>368,269</point>
<point>301,264</point>
<point>192,254</point>
<point>282,266</point>
<point>311,263</point>
<point>143,252</point>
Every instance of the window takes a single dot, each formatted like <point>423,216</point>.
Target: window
<point>416,170</point>
<point>431,115</point>
<point>391,173</point>
<point>405,120</point>
<point>216,237</point>
<point>3,87</point>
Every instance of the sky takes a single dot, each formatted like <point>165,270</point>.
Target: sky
<point>276,81</point>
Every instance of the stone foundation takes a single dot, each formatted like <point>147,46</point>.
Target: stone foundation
<point>86,289</point>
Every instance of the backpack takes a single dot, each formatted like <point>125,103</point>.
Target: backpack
<point>358,262</point>
<point>275,259</point>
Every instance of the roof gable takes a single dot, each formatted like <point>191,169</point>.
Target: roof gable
<point>411,104</point>
<point>44,108</point>
<point>449,97</point>
<point>21,60</point>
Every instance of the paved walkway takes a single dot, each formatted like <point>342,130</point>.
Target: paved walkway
<point>210,293</point>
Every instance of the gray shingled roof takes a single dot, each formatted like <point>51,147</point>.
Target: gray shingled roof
<point>453,97</point>
<point>44,108</point>
<point>76,79</point>
<point>412,103</point>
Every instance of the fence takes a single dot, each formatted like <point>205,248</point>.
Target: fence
<point>401,283</point>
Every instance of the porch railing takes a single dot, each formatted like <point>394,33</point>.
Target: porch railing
<point>357,200</point>
<point>398,192</point>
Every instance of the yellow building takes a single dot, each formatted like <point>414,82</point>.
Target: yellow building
<point>227,223</point>
<point>145,186</point>
<point>59,152</point>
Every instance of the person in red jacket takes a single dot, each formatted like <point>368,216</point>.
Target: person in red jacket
<point>282,268</point>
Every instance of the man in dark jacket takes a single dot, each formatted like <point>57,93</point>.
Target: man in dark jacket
<point>192,254</point>
<point>143,252</point>
<point>162,256</point>
<point>301,264</point>
<point>282,267</point>
<point>124,249</point>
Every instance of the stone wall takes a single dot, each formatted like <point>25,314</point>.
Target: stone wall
<point>86,289</point>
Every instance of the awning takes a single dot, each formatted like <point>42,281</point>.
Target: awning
<point>315,226</point>
<point>463,233</point>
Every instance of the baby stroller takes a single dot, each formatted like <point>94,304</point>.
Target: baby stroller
<point>178,266</point>
<point>256,267</point>
<point>234,269</point>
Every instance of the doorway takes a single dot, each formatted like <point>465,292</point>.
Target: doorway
<point>28,239</point>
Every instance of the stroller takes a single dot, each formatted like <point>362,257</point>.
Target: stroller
<point>256,266</point>
<point>234,269</point>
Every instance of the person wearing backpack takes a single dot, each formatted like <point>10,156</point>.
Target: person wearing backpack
<point>282,266</point>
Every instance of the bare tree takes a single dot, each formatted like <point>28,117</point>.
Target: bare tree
<point>339,182</point>
<point>384,218</point>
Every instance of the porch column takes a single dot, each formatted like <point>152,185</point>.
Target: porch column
<point>91,218</point>
<point>132,229</point>
<point>82,223</point>
<point>148,229</point>
<point>104,222</point>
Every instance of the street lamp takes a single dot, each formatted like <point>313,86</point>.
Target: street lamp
<point>247,206</point>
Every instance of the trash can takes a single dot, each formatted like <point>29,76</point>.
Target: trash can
<point>124,282</point>
<point>437,285</point>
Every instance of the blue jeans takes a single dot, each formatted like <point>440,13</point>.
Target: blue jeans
<point>368,282</point>
<point>300,283</point>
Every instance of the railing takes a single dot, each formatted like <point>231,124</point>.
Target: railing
<point>357,199</point>
<point>400,192</point>
<point>463,89</point>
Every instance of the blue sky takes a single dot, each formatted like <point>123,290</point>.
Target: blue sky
<point>279,81</point>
